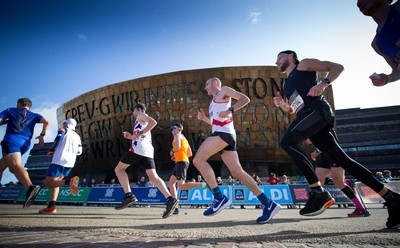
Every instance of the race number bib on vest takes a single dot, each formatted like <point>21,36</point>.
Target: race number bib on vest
<point>296,102</point>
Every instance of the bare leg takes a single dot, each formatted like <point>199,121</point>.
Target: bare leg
<point>14,163</point>
<point>231,160</point>
<point>182,185</point>
<point>158,182</point>
<point>3,167</point>
<point>172,186</point>
<point>208,148</point>
<point>322,173</point>
<point>123,178</point>
<point>54,183</point>
<point>338,177</point>
<point>185,186</point>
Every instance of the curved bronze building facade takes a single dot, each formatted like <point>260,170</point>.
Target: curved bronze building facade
<point>103,114</point>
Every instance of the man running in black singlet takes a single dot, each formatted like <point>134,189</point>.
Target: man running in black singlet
<point>314,120</point>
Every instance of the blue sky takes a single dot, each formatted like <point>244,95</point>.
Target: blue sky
<point>55,50</point>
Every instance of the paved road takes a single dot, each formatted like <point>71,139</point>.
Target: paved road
<point>85,226</point>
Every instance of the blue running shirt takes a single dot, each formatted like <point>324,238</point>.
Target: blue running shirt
<point>20,124</point>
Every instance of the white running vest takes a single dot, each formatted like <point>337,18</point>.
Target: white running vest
<point>143,145</point>
<point>219,124</point>
<point>67,149</point>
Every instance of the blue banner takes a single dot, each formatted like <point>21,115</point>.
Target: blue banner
<point>340,197</point>
<point>238,194</point>
<point>243,196</point>
<point>106,195</point>
<point>148,195</point>
<point>145,195</point>
<point>201,196</point>
<point>10,193</point>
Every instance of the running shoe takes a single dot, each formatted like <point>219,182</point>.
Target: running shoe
<point>47,210</point>
<point>318,202</point>
<point>393,206</point>
<point>73,185</point>
<point>31,194</point>
<point>217,206</point>
<point>176,211</point>
<point>358,212</point>
<point>172,203</point>
<point>268,212</point>
<point>127,202</point>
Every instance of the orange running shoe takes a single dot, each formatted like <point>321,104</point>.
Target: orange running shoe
<point>48,210</point>
<point>73,185</point>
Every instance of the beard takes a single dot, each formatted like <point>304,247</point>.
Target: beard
<point>284,66</point>
<point>370,9</point>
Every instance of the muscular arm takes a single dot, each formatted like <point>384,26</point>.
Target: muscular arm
<point>189,152</point>
<point>333,71</point>
<point>242,99</point>
<point>45,124</point>
<point>201,115</point>
<point>151,122</point>
<point>282,104</point>
<point>44,130</point>
<point>177,142</point>
<point>382,78</point>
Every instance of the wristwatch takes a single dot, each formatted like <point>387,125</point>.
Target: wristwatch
<point>326,80</point>
<point>141,132</point>
<point>42,134</point>
<point>231,109</point>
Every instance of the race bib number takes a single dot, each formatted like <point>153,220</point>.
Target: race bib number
<point>296,102</point>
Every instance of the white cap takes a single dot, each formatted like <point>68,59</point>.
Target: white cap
<point>71,123</point>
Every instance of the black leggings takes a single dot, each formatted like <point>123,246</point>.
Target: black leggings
<point>316,128</point>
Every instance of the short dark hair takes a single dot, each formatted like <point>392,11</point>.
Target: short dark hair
<point>139,106</point>
<point>294,55</point>
<point>26,102</point>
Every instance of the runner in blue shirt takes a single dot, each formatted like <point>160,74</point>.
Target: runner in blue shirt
<point>17,140</point>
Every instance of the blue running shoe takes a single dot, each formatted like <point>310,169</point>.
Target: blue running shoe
<point>176,211</point>
<point>217,206</point>
<point>268,212</point>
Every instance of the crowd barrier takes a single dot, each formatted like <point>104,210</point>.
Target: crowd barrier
<point>238,194</point>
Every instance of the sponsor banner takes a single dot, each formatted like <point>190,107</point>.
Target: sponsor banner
<point>81,195</point>
<point>340,197</point>
<point>145,195</point>
<point>148,195</point>
<point>201,196</point>
<point>11,193</point>
<point>63,195</point>
<point>279,193</point>
<point>106,195</point>
<point>299,193</point>
<point>369,196</point>
<point>238,194</point>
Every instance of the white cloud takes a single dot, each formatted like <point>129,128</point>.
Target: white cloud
<point>49,111</point>
<point>255,17</point>
<point>82,37</point>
